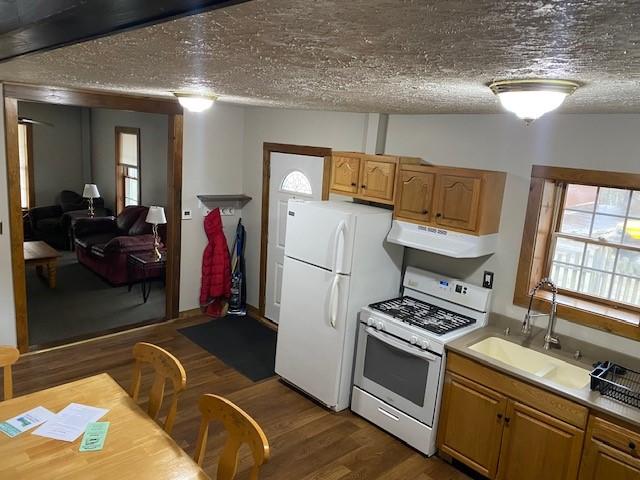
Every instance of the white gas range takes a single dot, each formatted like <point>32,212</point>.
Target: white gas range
<point>400,358</point>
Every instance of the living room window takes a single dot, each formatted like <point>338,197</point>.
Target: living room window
<point>127,167</point>
<point>25,142</point>
<point>582,230</point>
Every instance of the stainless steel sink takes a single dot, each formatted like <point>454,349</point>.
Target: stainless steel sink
<point>533,362</point>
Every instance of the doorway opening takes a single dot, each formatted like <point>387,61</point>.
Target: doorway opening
<point>76,273</point>
<point>288,172</point>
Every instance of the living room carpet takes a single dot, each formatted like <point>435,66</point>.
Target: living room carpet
<point>241,342</point>
<point>82,304</point>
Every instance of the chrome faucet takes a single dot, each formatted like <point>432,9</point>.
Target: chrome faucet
<point>549,338</point>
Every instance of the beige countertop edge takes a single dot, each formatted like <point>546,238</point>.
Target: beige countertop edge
<point>584,396</point>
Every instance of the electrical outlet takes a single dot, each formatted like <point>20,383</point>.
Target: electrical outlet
<point>487,281</point>
<point>187,215</point>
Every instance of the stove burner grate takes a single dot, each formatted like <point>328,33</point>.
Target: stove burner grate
<point>423,315</point>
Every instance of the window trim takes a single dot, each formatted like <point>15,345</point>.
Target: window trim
<point>120,177</point>
<point>540,218</point>
<point>31,191</point>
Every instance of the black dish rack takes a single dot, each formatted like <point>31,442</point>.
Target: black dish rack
<point>617,382</point>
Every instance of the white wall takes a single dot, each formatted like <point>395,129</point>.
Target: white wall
<point>153,153</point>
<point>7,310</point>
<point>501,142</point>
<point>57,149</point>
<point>212,164</point>
<point>340,131</point>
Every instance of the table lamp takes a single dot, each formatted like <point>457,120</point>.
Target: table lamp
<point>91,192</point>
<point>156,217</point>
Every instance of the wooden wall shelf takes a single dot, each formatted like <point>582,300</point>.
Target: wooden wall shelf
<point>237,201</point>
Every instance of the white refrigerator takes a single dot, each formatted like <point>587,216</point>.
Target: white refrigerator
<point>337,260</point>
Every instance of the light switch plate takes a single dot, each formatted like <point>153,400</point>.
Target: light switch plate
<point>187,215</point>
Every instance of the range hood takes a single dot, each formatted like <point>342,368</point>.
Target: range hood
<point>442,242</point>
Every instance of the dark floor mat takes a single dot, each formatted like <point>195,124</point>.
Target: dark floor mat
<point>239,341</point>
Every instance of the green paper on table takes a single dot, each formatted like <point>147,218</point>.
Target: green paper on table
<point>94,436</point>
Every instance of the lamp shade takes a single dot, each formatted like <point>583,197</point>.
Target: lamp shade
<point>90,191</point>
<point>156,216</point>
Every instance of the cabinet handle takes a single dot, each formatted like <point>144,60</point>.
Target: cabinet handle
<point>632,445</point>
<point>499,416</point>
<point>506,420</point>
<point>424,212</point>
<point>438,214</point>
<point>363,186</point>
<point>353,184</point>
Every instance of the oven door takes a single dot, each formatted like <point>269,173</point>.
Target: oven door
<point>398,373</point>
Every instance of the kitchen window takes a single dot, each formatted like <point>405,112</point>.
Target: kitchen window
<point>582,230</point>
<point>127,167</point>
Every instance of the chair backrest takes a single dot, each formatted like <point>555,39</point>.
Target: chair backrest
<point>240,427</point>
<point>166,366</point>
<point>8,356</point>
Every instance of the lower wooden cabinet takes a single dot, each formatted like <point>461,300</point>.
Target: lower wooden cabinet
<point>537,446</point>
<point>610,452</point>
<point>471,424</point>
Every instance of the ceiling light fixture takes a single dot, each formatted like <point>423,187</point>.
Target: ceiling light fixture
<point>530,99</point>
<point>195,102</point>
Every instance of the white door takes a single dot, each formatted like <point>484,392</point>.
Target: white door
<point>292,176</point>
<point>312,329</point>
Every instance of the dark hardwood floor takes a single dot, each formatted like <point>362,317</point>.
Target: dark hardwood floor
<point>307,441</point>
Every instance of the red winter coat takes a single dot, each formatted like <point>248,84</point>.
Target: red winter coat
<point>216,268</point>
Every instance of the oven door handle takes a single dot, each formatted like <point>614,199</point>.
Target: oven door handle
<point>400,345</point>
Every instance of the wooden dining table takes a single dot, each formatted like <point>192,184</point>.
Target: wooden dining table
<point>136,447</point>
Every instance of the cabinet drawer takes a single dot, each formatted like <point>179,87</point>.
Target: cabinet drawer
<point>616,436</point>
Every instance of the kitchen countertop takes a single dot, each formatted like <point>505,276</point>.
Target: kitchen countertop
<point>591,353</point>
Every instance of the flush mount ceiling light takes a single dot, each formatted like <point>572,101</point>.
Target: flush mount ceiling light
<point>530,99</point>
<point>195,102</point>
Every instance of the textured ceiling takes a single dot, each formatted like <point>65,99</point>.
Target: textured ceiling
<point>365,55</point>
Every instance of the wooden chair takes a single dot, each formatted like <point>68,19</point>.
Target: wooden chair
<point>240,427</point>
<point>8,356</point>
<point>166,366</point>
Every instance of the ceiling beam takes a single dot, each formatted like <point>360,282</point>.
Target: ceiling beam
<point>29,26</point>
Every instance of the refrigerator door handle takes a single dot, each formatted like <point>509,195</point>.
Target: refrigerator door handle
<point>336,244</point>
<point>333,301</point>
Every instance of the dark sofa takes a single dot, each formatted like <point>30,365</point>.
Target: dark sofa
<point>103,244</point>
<point>52,223</point>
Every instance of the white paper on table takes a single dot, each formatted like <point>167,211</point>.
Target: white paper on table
<point>30,419</point>
<point>70,422</point>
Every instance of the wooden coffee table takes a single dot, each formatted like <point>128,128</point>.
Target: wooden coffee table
<point>42,255</point>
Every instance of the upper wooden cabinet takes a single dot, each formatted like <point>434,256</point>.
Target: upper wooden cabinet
<point>345,174</point>
<point>368,177</point>
<point>414,195</point>
<point>460,199</point>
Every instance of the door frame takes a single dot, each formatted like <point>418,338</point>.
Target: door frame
<point>267,149</point>
<point>12,93</point>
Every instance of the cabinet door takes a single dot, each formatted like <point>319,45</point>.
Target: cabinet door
<point>457,201</point>
<point>471,424</point>
<point>413,198</point>
<point>378,179</point>
<point>535,446</point>
<point>611,451</point>
<point>345,173</point>
<point>602,462</point>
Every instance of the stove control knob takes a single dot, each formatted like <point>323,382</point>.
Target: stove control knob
<point>413,340</point>
<point>424,344</point>
<point>380,325</point>
<point>370,321</point>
